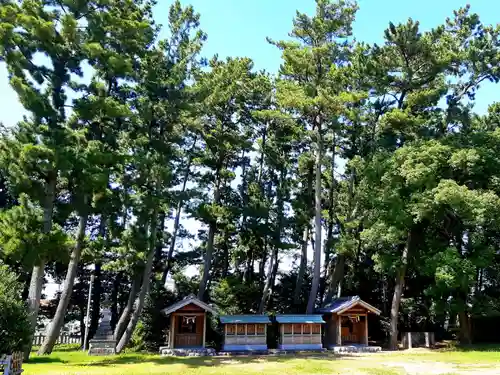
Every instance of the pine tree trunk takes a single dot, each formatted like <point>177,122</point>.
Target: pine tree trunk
<point>465,332</point>
<point>97,285</point>
<point>207,262</point>
<point>398,292</point>
<point>248,271</point>
<point>81,309</point>
<point>302,267</point>
<point>317,226</point>
<point>146,281</point>
<point>464,321</point>
<point>96,300</point>
<point>336,277</point>
<point>268,286</point>
<point>34,295</point>
<point>36,283</point>
<point>114,299</point>
<point>178,211</point>
<point>225,269</point>
<point>171,248</point>
<point>274,274</point>
<point>62,306</point>
<point>262,264</point>
<point>247,274</point>
<point>305,239</point>
<point>158,262</point>
<point>328,272</point>
<point>125,315</point>
<point>273,264</point>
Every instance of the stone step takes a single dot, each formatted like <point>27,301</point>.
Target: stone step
<point>102,347</point>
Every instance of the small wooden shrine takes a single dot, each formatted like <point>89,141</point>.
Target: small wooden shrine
<point>346,321</point>
<point>300,332</point>
<point>188,323</point>
<point>245,332</point>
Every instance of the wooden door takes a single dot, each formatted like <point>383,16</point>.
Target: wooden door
<point>189,331</point>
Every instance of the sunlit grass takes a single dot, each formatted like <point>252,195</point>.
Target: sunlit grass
<point>79,363</point>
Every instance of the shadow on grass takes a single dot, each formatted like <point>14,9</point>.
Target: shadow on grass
<point>45,359</point>
<point>478,348</point>
<point>204,361</point>
<point>60,348</point>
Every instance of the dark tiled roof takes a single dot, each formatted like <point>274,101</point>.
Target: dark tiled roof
<point>338,303</point>
<point>342,303</point>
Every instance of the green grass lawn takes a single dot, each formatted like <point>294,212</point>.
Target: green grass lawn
<point>477,361</point>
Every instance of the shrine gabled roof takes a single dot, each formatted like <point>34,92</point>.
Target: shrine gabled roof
<point>186,301</point>
<point>244,319</point>
<point>342,304</point>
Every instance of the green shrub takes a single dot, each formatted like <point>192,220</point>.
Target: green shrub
<point>150,332</point>
<point>14,323</point>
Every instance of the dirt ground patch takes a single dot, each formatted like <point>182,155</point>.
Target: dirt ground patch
<point>442,368</point>
<point>430,362</point>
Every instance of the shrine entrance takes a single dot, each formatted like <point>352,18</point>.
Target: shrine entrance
<point>353,329</point>
<point>189,331</point>
<point>188,320</point>
<point>346,321</point>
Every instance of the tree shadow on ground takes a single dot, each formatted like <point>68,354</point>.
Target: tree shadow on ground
<point>60,348</point>
<point>45,359</point>
<point>206,361</point>
<point>478,348</point>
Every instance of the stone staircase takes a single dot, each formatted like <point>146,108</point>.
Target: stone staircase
<point>103,342</point>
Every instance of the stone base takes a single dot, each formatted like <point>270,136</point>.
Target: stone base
<point>300,347</point>
<point>271,352</point>
<point>187,352</point>
<point>244,353</point>
<point>244,348</point>
<point>102,347</point>
<point>355,349</point>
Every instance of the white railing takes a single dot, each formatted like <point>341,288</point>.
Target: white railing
<point>64,338</point>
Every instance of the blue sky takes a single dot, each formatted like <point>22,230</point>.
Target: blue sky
<point>240,28</point>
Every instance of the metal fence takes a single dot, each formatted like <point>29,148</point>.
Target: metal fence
<point>64,338</point>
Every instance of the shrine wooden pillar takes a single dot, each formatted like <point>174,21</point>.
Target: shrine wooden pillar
<point>365,338</point>
<point>338,336</point>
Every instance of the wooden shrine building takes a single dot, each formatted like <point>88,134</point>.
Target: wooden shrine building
<point>245,332</point>
<point>346,321</point>
<point>188,323</point>
<point>300,332</point>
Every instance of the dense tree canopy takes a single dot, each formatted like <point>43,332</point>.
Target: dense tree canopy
<point>371,156</point>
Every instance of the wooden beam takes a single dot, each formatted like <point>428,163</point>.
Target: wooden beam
<point>338,340</point>
<point>366,330</point>
<point>182,313</point>
<point>204,329</point>
<point>172,331</point>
